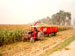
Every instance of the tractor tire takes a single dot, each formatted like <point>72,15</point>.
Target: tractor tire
<point>40,35</point>
<point>32,39</point>
<point>50,35</point>
<point>54,33</point>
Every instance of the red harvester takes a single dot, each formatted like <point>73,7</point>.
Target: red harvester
<point>40,34</point>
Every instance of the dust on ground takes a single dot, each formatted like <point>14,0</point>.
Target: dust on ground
<point>68,51</point>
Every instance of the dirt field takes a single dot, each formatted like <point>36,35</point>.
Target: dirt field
<point>68,51</point>
<point>25,27</point>
<point>34,49</point>
<point>14,27</point>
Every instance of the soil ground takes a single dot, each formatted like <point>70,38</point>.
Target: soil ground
<point>68,51</point>
<point>34,49</point>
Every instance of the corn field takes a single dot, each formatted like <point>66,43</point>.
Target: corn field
<point>7,37</point>
<point>64,28</point>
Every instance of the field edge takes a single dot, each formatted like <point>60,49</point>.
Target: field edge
<point>60,46</point>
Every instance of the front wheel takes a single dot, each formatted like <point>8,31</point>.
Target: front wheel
<point>40,35</point>
<point>32,39</point>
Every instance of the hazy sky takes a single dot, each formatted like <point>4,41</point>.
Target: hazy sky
<point>26,11</point>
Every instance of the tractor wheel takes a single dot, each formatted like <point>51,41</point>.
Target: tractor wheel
<point>54,33</point>
<point>40,35</point>
<point>32,39</point>
<point>50,35</point>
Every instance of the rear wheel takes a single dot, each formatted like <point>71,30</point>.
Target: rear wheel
<point>40,35</point>
<point>54,33</point>
<point>32,39</point>
<point>50,35</point>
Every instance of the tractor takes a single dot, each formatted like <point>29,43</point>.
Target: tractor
<point>39,34</point>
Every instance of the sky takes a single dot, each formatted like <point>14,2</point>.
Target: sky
<point>27,11</point>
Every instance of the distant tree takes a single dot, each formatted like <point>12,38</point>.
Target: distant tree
<point>46,20</point>
<point>61,18</point>
<point>68,15</point>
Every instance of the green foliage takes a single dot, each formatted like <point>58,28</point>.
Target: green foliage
<point>64,28</point>
<point>7,37</point>
<point>1,38</point>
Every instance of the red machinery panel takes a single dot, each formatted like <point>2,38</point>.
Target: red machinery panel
<point>49,29</point>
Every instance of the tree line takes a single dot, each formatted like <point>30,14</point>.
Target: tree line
<point>60,18</point>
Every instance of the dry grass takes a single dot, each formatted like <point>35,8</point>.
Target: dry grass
<point>14,27</point>
<point>27,47</point>
<point>67,48</point>
<point>28,26</point>
<point>60,46</point>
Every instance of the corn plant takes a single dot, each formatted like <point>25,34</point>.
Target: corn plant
<point>64,28</point>
<point>1,38</point>
<point>6,36</point>
<point>19,34</point>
